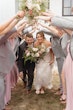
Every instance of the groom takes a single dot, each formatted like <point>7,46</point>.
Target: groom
<point>28,67</point>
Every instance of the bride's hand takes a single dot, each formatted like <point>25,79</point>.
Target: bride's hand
<point>51,62</point>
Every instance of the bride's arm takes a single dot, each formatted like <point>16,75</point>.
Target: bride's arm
<point>52,57</point>
<point>48,44</point>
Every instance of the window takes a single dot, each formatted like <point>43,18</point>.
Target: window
<point>67,7</point>
<point>16,5</point>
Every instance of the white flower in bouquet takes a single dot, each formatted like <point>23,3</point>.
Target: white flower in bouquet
<point>28,54</point>
<point>39,1</point>
<point>32,54</point>
<point>29,4</point>
<point>42,50</point>
<point>37,6</point>
<point>37,55</point>
<point>27,51</point>
<point>35,49</point>
<point>33,7</point>
<point>43,46</point>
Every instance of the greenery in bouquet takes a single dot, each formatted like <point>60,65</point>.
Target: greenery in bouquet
<point>34,54</point>
<point>33,7</point>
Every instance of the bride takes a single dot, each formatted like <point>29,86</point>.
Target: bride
<point>43,76</point>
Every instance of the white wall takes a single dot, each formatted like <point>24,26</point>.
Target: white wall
<point>7,9</point>
<point>56,6</point>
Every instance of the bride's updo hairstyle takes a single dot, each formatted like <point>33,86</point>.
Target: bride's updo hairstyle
<point>41,33</point>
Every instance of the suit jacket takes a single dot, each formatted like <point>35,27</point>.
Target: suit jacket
<point>7,57</point>
<point>22,48</point>
<point>64,41</point>
<point>56,47</point>
<point>59,46</point>
<point>71,47</point>
<point>20,60</point>
<point>62,22</point>
<point>56,44</point>
<point>17,51</point>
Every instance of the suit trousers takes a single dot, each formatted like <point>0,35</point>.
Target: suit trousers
<point>60,62</point>
<point>29,71</point>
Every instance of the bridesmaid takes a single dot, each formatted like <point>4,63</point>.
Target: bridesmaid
<point>12,77</point>
<point>68,73</point>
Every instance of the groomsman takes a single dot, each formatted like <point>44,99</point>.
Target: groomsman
<point>67,25</point>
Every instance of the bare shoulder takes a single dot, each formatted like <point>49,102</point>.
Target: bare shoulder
<point>47,43</point>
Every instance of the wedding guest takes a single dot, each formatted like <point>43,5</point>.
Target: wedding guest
<point>7,57</point>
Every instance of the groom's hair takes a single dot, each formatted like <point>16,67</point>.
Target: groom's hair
<point>29,35</point>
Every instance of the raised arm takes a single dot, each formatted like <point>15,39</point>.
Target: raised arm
<point>62,22</point>
<point>52,57</point>
<point>6,24</point>
<point>21,26</point>
<point>56,20</point>
<point>52,29</point>
<point>45,18</point>
<point>12,23</point>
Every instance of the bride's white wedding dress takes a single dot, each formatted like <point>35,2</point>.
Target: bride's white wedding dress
<point>43,75</point>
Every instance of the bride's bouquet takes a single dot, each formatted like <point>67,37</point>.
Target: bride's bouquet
<point>34,54</point>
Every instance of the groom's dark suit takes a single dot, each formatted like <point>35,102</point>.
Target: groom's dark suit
<point>27,68</point>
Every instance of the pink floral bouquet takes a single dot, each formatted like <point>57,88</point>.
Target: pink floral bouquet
<point>34,54</point>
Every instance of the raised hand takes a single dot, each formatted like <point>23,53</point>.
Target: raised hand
<point>45,18</point>
<point>48,13</point>
<point>20,14</point>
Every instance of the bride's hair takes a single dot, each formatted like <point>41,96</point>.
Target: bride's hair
<point>41,33</point>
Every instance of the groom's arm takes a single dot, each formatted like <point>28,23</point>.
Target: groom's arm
<point>62,22</point>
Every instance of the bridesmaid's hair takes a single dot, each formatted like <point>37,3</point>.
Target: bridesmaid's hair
<point>41,33</point>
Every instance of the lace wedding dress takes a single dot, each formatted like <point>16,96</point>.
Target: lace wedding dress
<point>43,75</point>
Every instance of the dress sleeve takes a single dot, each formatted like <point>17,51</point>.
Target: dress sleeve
<point>3,38</point>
